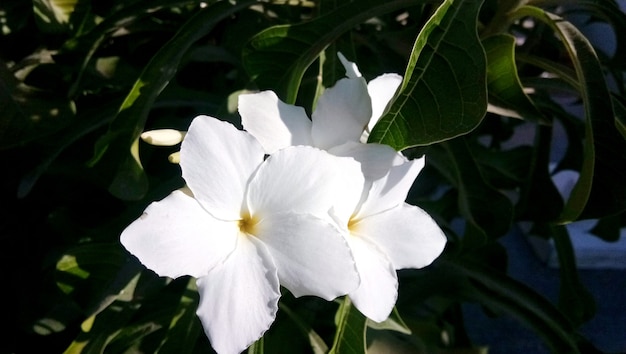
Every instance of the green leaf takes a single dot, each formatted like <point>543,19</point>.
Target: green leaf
<point>444,91</point>
<point>489,213</point>
<point>185,326</point>
<point>277,57</point>
<point>88,269</point>
<point>609,11</point>
<point>351,326</point>
<point>121,141</point>
<point>539,198</point>
<point>600,189</point>
<point>619,106</point>
<point>506,94</point>
<point>256,347</point>
<point>503,294</point>
<point>575,301</point>
<point>53,16</point>
<point>318,346</point>
<point>393,323</point>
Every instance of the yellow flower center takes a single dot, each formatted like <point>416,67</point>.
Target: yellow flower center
<point>353,225</point>
<point>247,224</point>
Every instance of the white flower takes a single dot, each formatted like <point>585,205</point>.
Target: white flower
<point>340,122</point>
<point>387,234</point>
<point>384,233</point>
<point>245,226</point>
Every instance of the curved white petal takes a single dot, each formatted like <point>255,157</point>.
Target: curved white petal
<point>392,189</point>
<point>375,159</point>
<point>239,298</point>
<point>304,179</point>
<point>311,255</point>
<point>381,90</point>
<point>217,161</point>
<point>274,123</point>
<point>378,292</point>
<point>352,71</point>
<point>406,233</point>
<point>342,113</point>
<point>176,237</point>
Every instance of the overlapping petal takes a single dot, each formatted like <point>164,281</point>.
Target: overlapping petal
<point>392,189</point>
<point>311,255</point>
<point>378,291</point>
<point>303,179</point>
<point>342,113</point>
<point>381,90</point>
<point>406,233</point>
<point>216,161</point>
<point>375,159</point>
<point>176,237</point>
<point>274,123</point>
<point>239,298</point>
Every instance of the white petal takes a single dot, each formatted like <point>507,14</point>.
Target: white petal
<point>381,90</point>
<point>216,161</point>
<point>378,292</point>
<point>311,255</point>
<point>274,123</point>
<point>342,113</point>
<point>375,159</point>
<point>176,236</point>
<point>407,234</point>
<point>392,189</point>
<point>239,298</point>
<point>352,71</point>
<point>304,179</point>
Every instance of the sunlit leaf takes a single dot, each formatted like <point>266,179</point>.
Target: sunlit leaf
<point>506,94</point>
<point>53,15</point>
<point>130,181</point>
<point>444,91</point>
<point>393,323</point>
<point>350,333</point>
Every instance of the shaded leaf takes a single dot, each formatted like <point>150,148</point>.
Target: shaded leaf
<point>575,301</point>
<point>488,212</point>
<point>443,93</point>
<point>277,57</point>
<point>600,189</point>
<point>318,346</point>
<point>505,295</point>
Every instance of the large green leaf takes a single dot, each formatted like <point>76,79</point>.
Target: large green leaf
<point>600,189</point>
<point>350,333</point>
<point>121,141</point>
<point>278,57</point>
<point>443,94</point>
<point>506,94</point>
